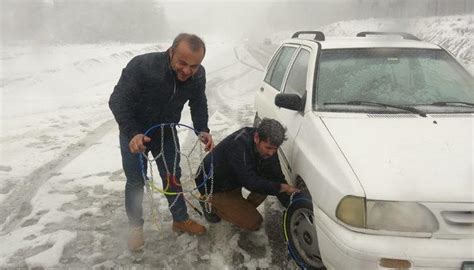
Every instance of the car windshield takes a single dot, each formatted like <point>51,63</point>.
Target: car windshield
<point>428,79</point>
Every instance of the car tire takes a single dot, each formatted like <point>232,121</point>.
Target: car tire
<point>301,235</point>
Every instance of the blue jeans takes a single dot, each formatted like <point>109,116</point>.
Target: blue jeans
<point>135,181</point>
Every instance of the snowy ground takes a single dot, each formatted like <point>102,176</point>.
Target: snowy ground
<point>61,182</point>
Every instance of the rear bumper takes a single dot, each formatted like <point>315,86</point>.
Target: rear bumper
<point>345,249</point>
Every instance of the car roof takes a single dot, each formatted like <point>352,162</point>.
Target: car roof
<point>365,42</point>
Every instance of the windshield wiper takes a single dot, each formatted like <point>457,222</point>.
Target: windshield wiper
<point>379,104</point>
<point>452,103</point>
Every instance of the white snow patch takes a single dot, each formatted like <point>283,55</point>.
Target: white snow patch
<point>51,256</point>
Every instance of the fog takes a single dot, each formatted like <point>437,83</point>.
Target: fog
<point>257,19</point>
<point>94,21</point>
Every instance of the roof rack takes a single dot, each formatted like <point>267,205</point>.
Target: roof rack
<point>402,34</point>
<point>318,35</point>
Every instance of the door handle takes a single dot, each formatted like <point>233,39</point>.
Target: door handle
<point>261,89</point>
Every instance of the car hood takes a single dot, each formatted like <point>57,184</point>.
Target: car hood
<point>409,159</point>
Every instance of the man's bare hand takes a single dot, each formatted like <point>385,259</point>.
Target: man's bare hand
<point>206,138</point>
<point>137,143</point>
<point>288,189</point>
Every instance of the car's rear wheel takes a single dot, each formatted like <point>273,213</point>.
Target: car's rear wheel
<point>302,236</point>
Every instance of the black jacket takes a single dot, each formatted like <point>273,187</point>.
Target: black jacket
<point>148,93</point>
<point>237,164</point>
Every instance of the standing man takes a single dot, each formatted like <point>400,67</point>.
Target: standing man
<point>153,89</point>
<point>247,158</point>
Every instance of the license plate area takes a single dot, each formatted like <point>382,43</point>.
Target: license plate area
<point>467,266</point>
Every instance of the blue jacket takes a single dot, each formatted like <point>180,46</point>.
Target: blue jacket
<point>148,93</point>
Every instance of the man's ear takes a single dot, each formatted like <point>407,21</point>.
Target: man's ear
<point>256,138</point>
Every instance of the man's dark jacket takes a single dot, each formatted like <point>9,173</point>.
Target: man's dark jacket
<point>237,164</point>
<point>148,93</point>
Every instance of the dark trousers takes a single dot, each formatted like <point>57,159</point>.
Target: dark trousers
<point>135,182</point>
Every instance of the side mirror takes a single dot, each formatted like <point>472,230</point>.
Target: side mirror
<point>289,101</point>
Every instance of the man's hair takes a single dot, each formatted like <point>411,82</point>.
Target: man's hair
<point>194,42</point>
<point>271,130</point>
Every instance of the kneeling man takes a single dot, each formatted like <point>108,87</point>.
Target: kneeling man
<point>247,158</point>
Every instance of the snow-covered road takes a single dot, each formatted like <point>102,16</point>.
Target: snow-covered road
<point>61,177</point>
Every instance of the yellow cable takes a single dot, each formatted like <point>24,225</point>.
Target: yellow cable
<point>284,226</point>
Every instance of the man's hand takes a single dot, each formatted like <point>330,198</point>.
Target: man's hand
<point>288,189</point>
<point>137,143</point>
<point>206,138</point>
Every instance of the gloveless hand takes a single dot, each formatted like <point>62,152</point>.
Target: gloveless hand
<point>288,189</point>
<point>206,138</point>
<point>137,143</point>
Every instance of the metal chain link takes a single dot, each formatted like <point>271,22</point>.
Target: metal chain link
<point>292,195</point>
<point>150,181</point>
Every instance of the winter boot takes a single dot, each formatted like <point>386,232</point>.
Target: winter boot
<point>190,226</point>
<point>210,217</point>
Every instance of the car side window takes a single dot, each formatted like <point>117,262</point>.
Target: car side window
<point>296,82</point>
<point>277,71</point>
<point>272,67</point>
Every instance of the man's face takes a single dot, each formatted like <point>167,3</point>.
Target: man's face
<point>264,148</point>
<point>184,61</point>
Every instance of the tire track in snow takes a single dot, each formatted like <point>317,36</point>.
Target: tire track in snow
<point>261,54</point>
<point>245,63</point>
<point>224,102</point>
<point>17,205</point>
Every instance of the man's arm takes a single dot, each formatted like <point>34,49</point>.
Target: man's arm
<point>198,104</point>
<point>243,166</point>
<point>124,96</point>
<point>271,169</point>
<point>199,111</point>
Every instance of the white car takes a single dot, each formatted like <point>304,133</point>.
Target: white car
<point>380,136</point>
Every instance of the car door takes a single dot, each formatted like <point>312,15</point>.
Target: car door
<point>273,82</point>
<point>296,82</point>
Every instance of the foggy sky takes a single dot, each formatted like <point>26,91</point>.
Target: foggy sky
<point>89,21</point>
<point>232,19</point>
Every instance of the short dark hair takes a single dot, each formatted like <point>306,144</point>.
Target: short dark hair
<point>194,42</point>
<point>271,130</point>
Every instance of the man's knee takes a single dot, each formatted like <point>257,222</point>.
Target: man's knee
<point>134,184</point>
<point>256,198</point>
<point>253,223</point>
